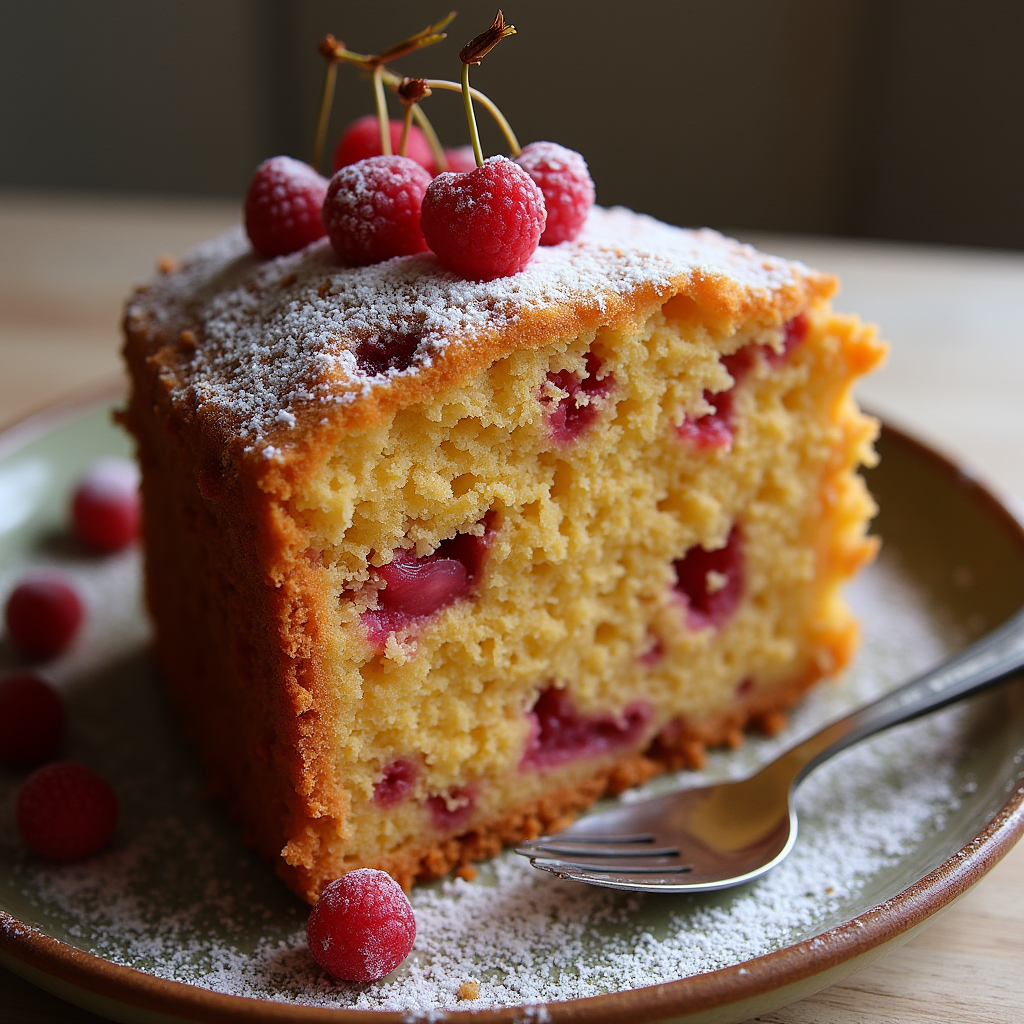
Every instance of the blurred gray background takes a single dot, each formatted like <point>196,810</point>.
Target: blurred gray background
<point>901,119</point>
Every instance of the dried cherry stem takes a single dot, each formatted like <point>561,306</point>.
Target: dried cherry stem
<point>406,122</point>
<point>324,116</point>
<point>474,134</point>
<point>335,52</point>
<point>382,110</point>
<point>487,103</point>
<point>436,149</point>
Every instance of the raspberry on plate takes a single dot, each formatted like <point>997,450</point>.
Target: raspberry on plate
<point>66,812</point>
<point>105,507</point>
<point>563,177</point>
<point>362,926</point>
<point>282,206</point>
<point>484,224</point>
<point>361,139</point>
<point>43,613</point>
<point>372,209</point>
<point>32,720</point>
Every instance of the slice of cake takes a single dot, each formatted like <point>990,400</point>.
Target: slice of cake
<point>435,563</point>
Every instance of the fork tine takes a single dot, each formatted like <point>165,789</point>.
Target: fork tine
<point>562,837</point>
<point>572,869</point>
<point>592,850</point>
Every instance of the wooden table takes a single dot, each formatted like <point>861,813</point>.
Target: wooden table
<point>956,321</point>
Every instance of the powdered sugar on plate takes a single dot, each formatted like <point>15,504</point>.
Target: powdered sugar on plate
<point>179,897</point>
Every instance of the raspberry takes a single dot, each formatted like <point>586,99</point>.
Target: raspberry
<point>66,812</point>
<point>43,614</point>
<point>282,206</point>
<point>715,430</point>
<point>419,587</point>
<point>578,409</point>
<point>711,582</point>
<point>32,720</point>
<point>361,140</point>
<point>484,224</point>
<point>460,159</point>
<point>362,927</point>
<point>568,189</point>
<point>396,783</point>
<point>793,333</point>
<point>372,209</point>
<point>105,506</point>
<point>559,732</point>
<point>450,811</point>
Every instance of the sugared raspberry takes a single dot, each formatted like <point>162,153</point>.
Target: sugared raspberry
<point>361,140</point>
<point>568,189</point>
<point>460,159</point>
<point>372,209</point>
<point>362,927</point>
<point>105,506</point>
<point>43,614</point>
<point>65,811</point>
<point>484,224</point>
<point>32,720</point>
<point>282,206</point>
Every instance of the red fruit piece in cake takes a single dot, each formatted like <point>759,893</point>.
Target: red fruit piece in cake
<point>484,224</point>
<point>372,209</point>
<point>559,732</point>
<point>282,206</point>
<point>362,926</point>
<point>450,811</point>
<point>32,720</point>
<point>361,140</point>
<point>715,429</point>
<point>390,353</point>
<point>105,507</point>
<point>577,409</point>
<point>396,783</point>
<point>460,159</point>
<point>711,582</point>
<point>416,588</point>
<point>562,175</point>
<point>66,812</point>
<point>43,613</point>
<point>793,333</point>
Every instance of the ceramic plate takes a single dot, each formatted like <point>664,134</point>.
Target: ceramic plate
<point>179,921</point>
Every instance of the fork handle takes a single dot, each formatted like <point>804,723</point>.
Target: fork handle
<point>991,659</point>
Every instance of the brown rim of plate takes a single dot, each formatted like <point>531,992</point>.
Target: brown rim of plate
<point>747,980</point>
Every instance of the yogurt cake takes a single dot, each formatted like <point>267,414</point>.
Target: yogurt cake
<point>435,563</point>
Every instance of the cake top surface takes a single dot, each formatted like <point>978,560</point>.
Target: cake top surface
<point>257,349</point>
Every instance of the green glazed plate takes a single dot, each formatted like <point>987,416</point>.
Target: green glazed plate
<point>178,921</point>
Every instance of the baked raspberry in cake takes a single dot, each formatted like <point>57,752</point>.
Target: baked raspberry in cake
<point>434,563</point>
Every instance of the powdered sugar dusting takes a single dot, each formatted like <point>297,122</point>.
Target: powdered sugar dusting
<point>279,335</point>
<point>179,897</point>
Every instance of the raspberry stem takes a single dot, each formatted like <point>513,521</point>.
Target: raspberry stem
<point>326,102</point>
<point>488,104</point>
<point>474,134</point>
<point>440,160</point>
<point>382,110</point>
<point>406,121</point>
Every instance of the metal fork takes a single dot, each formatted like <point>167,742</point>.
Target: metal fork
<point>726,834</point>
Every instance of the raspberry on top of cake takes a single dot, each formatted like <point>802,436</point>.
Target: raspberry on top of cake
<point>434,563</point>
